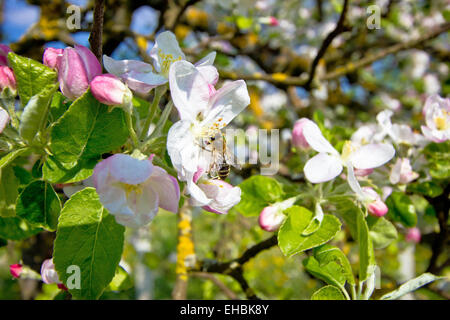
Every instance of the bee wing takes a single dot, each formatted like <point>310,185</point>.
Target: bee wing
<point>231,159</point>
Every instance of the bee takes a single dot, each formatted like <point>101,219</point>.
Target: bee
<point>220,157</point>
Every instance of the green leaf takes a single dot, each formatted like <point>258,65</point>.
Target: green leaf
<point>87,129</point>
<point>15,228</point>
<point>438,156</point>
<point>257,193</point>
<point>55,171</point>
<point>8,192</point>
<point>58,106</point>
<point>382,232</point>
<point>328,293</point>
<point>121,281</point>
<point>366,253</point>
<point>31,76</point>
<point>410,286</point>
<point>34,116</point>
<point>401,209</point>
<point>89,238</point>
<point>290,238</point>
<point>39,205</point>
<point>427,188</point>
<point>327,253</point>
<point>7,159</point>
<point>330,272</point>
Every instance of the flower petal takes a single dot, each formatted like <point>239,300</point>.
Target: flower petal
<point>166,50</point>
<point>198,196</point>
<point>372,155</point>
<point>353,183</point>
<point>189,90</point>
<point>4,119</point>
<point>315,139</point>
<point>119,67</point>
<point>149,78</point>
<point>207,60</point>
<point>227,103</point>
<point>322,167</point>
<point>167,189</point>
<point>182,149</point>
<point>129,170</point>
<point>210,74</point>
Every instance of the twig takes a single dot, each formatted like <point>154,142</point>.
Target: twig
<point>284,80</point>
<point>95,38</point>
<point>227,291</point>
<point>183,8</point>
<point>352,66</point>
<point>340,28</point>
<point>234,269</point>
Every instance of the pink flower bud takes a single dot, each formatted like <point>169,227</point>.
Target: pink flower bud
<point>298,139</point>
<point>52,56</point>
<point>108,89</point>
<point>62,287</point>
<point>377,208</point>
<point>413,235</point>
<point>4,119</point>
<point>375,205</point>
<point>271,218</point>
<point>16,270</point>
<point>4,50</point>
<point>7,78</point>
<point>77,68</point>
<point>273,21</point>
<point>363,172</point>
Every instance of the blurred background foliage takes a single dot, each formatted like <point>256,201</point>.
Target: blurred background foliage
<point>252,45</point>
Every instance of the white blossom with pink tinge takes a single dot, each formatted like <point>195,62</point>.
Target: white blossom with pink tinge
<point>132,190</point>
<point>328,163</point>
<point>402,172</point>
<point>142,77</point>
<point>48,272</point>
<point>437,119</point>
<point>203,113</point>
<point>220,196</point>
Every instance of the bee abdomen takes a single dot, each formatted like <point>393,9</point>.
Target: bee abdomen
<point>224,171</point>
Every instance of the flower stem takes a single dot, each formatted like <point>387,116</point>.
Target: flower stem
<point>133,134</point>
<point>152,111</point>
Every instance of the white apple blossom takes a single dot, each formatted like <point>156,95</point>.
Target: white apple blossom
<point>141,76</point>
<point>48,272</point>
<point>328,163</point>
<point>398,133</point>
<point>203,113</point>
<point>221,195</point>
<point>133,189</point>
<point>437,119</point>
<point>402,172</point>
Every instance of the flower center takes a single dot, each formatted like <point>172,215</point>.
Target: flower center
<point>441,122</point>
<point>129,188</point>
<point>347,150</point>
<point>167,60</point>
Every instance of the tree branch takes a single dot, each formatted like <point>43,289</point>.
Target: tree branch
<point>234,269</point>
<point>340,28</point>
<point>352,66</point>
<point>227,291</point>
<point>95,38</point>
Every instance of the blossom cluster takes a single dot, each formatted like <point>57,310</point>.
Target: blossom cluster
<point>130,186</point>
